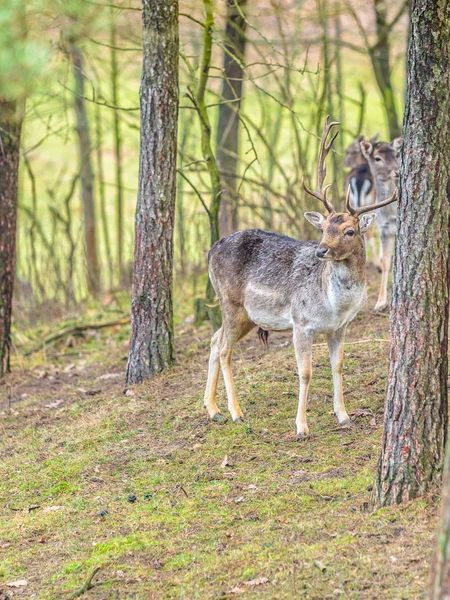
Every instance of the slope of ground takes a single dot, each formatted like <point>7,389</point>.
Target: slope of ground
<point>220,510</point>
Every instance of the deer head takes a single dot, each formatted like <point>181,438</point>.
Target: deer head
<point>342,233</point>
<point>383,159</point>
<point>353,155</point>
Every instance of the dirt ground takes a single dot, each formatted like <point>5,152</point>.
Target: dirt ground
<point>167,504</point>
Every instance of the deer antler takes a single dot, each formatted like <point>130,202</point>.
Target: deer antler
<point>356,212</point>
<point>321,193</point>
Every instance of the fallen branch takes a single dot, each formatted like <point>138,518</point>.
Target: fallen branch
<point>74,329</point>
<point>88,585</point>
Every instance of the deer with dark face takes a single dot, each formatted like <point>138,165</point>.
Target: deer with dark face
<point>278,283</point>
<point>382,158</point>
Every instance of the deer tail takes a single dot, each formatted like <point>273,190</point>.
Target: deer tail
<point>263,337</point>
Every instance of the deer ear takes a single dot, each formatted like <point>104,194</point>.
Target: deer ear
<point>397,144</point>
<point>366,149</point>
<point>375,138</point>
<point>315,219</point>
<point>366,221</point>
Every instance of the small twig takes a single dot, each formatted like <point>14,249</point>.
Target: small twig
<point>87,585</point>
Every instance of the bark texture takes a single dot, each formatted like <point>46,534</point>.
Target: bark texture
<point>228,126</point>
<point>440,567</point>
<point>10,128</point>
<point>415,431</point>
<point>86,172</point>
<point>152,345</point>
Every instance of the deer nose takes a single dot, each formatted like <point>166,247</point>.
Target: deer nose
<point>320,252</point>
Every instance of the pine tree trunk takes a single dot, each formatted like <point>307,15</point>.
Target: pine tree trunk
<point>86,172</point>
<point>415,430</point>
<point>10,128</point>
<point>152,345</point>
<point>227,154</point>
<point>440,567</point>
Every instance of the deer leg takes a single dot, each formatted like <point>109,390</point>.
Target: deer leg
<point>387,247</point>
<point>213,378</point>
<point>226,351</point>
<point>336,348</point>
<point>303,353</point>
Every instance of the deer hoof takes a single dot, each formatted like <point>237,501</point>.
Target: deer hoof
<point>218,417</point>
<point>347,423</point>
<point>380,307</point>
<point>304,433</point>
<point>239,420</point>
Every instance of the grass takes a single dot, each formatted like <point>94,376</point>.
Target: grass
<point>294,513</point>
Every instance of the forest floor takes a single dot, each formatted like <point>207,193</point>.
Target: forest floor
<point>220,510</point>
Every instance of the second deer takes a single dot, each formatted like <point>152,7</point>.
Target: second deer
<point>278,283</point>
<point>382,158</point>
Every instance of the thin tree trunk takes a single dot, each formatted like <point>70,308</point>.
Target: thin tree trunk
<point>199,102</point>
<point>338,73</point>
<point>86,172</point>
<point>380,57</point>
<point>117,150</point>
<point>102,191</point>
<point>152,343</point>
<point>10,129</point>
<point>228,126</point>
<point>415,430</point>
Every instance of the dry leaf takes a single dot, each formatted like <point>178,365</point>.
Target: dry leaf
<point>237,590</point>
<point>48,509</point>
<point>196,446</point>
<point>254,582</point>
<point>68,368</point>
<point>226,462</point>
<point>130,393</point>
<point>361,412</point>
<point>110,376</point>
<point>54,404</point>
<point>17,584</point>
<point>240,499</point>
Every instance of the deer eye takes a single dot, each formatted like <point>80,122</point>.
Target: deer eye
<point>350,232</point>
<point>378,159</point>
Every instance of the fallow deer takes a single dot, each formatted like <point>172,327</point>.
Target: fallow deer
<point>362,191</point>
<point>278,283</point>
<point>383,162</point>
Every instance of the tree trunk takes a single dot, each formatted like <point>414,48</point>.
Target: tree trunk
<point>380,57</point>
<point>152,344</point>
<point>86,172</point>
<point>415,430</point>
<point>117,150</point>
<point>227,154</point>
<point>10,128</point>
<point>440,567</point>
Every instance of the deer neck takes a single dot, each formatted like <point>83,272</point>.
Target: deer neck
<point>350,272</point>
<point>384,189</point>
